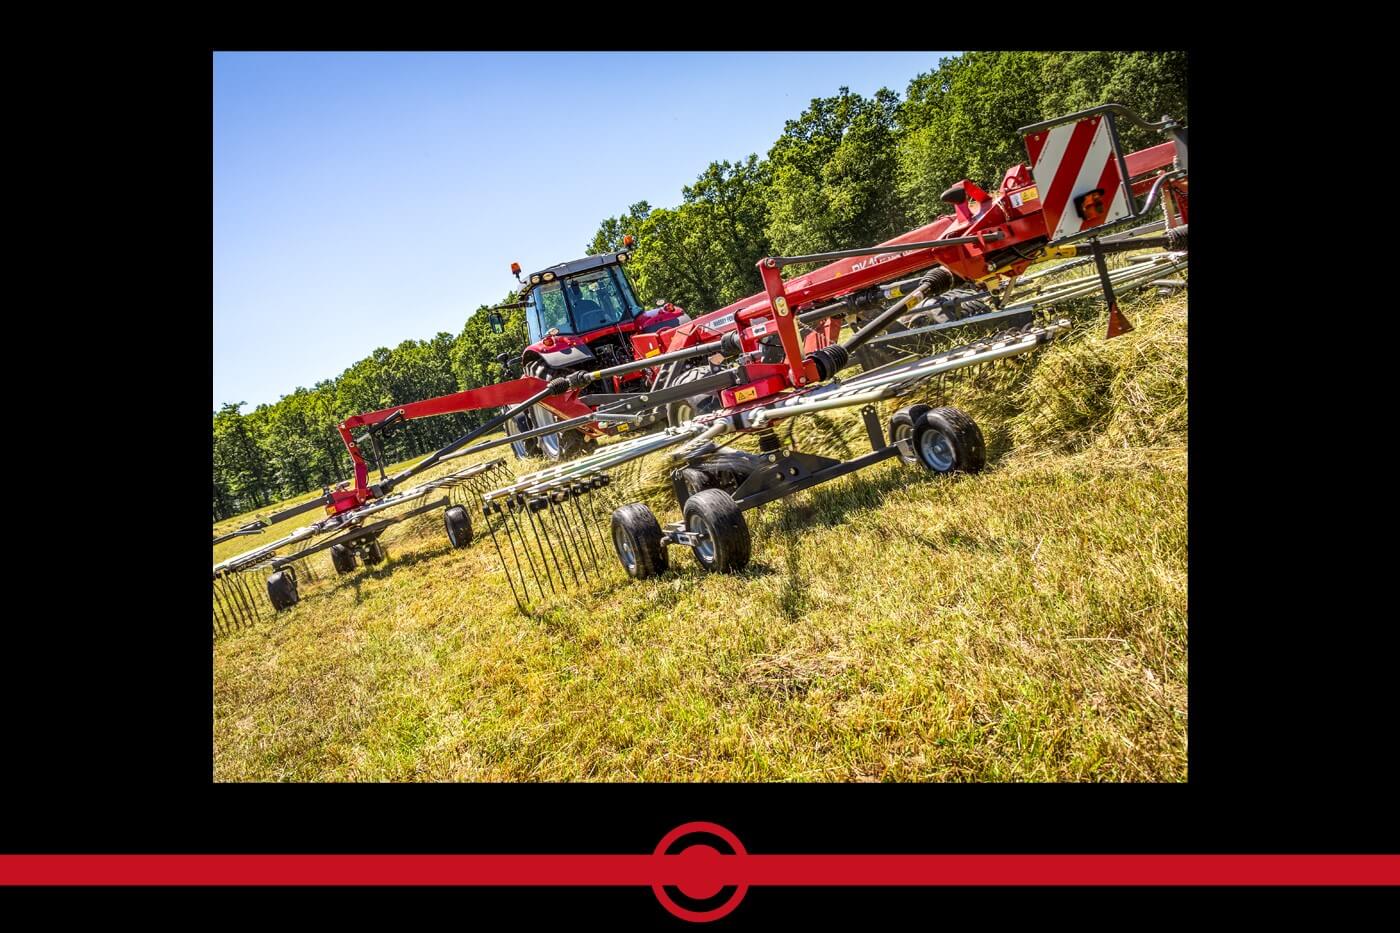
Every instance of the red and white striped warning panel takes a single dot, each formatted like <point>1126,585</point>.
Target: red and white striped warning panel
<point>1076,169</point>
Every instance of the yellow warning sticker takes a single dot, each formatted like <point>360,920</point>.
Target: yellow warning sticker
<point>781,305</point>
<point>745,395</point>
<point>653,351</point>
<point>1029,194</point>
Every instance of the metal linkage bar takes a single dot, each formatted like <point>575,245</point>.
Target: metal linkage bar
<point>901,379</point>
<point>604,459</point>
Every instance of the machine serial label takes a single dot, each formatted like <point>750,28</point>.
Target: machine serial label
<point>745,395</point>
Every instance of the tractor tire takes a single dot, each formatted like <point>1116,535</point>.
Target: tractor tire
<point>637,538</point>
<point>687,481</point>
<point>342,559</point>
<point>946,440</point>
<point>459,526</point>
<point>902,428</point>
<point>565,445</point>
<point>530,447</point>
<point>726,546</point>
<point>374,552</point>
<point>282,590</point>
<point>683,410</point>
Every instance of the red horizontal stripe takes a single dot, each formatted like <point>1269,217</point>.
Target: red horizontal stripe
<point>627,870</point>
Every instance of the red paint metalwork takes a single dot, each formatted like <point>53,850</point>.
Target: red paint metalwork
<point>1014,216</point>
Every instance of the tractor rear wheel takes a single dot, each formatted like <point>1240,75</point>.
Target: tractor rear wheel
<point>946,440</point>
<point>282,590</point>
<point>342,559</point>
<point>637,538</point>
<point>564,445</point>
<point>725,545</point>
<point>459,526</point>
<point>683,410</point>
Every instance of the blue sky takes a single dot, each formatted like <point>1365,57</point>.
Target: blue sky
<point>364,199</point>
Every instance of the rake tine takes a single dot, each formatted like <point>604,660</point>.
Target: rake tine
<point>562,501</point>
<point>532,507</point>
<point>491,529</point>
<point>220,621</point>
<point>559,531</point>
<point>504,507</point>
<point>577,492</point>
<point>247,595</point>
<point>525,545</point>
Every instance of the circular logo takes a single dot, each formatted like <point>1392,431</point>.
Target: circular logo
<point>696,854</point>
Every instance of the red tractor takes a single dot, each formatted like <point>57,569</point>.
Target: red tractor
<point>582,315</point>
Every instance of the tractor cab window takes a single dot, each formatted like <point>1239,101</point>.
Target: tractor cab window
<point>548,310</point>
<point>595,300</point>
<point>581,303</point>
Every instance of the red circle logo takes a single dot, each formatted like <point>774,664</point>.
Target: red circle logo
<point>701,870</point>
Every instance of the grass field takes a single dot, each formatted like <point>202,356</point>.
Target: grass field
<point>1024,624</point>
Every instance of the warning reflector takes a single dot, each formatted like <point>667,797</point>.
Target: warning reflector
<point>1071,161</point>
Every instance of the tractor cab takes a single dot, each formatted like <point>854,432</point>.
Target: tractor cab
<point>580,297</point>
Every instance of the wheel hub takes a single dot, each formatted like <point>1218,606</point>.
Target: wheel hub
<point>705,545</point>
<point>936,451</point>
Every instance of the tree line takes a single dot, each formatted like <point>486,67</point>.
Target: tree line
<point>848,171</point>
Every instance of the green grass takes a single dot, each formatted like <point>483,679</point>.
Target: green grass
<point>1024,624</point>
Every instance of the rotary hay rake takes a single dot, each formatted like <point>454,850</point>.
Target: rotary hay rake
<point>553,512</point>
<point>551,530</point>
<point>280,567</point>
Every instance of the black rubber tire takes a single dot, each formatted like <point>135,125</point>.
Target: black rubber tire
<point>687,481</point>
<point>282,590</point>
<point>374,552</point>
<point>342,559</point>
<point>459,526</point>
<point>682,410</point>
<point>714,512</point>
<point>948,441</point>
<point>902,425</point>
<point>530,447</point>
<point>636,537</point>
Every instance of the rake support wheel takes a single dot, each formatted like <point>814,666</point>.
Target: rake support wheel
<point>373,552</point>
<point>637,538</point>
<point>902,428</point>
<point>459,526</point>
<point>725,545</point>
<point>282,590</point>
<point>946,440</point>
<point>687,481</point>
<point>342,559</point>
